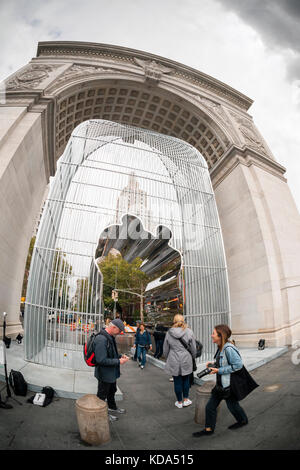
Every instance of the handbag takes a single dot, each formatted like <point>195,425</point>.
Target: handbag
<point>221,392</point>
<point>241,382</point>
<point>199,348</point>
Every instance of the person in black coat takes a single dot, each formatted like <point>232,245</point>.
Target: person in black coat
<point>159,335</point>
<point>137,330</point>
<point>108,360</point>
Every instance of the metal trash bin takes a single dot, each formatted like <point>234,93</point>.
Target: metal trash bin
<point>92,419</point>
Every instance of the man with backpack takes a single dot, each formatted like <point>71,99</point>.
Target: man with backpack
<point>108,360</point>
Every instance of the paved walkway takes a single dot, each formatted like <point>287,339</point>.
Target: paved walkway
<point>153,422</point>
<point>79,380</point>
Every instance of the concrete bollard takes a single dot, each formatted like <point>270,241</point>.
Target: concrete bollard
<point>92,419</point>
<point>202,396</point>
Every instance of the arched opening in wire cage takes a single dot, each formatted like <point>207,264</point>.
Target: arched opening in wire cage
<point>152,193</point>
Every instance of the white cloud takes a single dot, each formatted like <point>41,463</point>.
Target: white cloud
<point>201,34</point>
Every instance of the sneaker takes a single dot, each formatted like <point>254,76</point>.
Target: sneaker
<point>142,367</point>
<point>117,410</point>
<point>179,405</point>
<point>187,402</point>
<point>113,418</point>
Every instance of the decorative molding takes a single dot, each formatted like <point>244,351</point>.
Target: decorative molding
<point>214,107</point>
<point>31,77</point>
<point>245,157</point>
<point>123,54</point>
<point>78,69</point>
<point>249,134</point>
<point>215,87</point>
<point>153,70</point>
<point>218,112</point>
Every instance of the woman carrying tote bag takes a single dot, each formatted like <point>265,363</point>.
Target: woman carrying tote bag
<point>233,382</point>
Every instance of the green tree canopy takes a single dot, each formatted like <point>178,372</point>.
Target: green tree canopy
<point>118,273</point>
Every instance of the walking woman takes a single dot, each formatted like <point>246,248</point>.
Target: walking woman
<point>142,343</point>
<point>227,361</point>
<point>179,362</point>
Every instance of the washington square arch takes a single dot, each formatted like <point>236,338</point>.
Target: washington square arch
<point>70,83</point>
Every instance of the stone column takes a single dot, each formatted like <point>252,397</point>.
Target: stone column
<point>22,184</point>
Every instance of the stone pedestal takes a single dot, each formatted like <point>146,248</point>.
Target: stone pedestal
<point>92,418</point>
<point>202,396</point>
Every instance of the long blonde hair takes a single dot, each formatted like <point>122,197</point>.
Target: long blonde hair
<point>178,322</point>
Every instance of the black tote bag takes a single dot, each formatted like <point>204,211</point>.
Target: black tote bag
<point>241,383</point>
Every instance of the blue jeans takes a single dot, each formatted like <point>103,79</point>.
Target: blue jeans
<point>181,386</point>
<point>211,411</point>
<point>141,351</point>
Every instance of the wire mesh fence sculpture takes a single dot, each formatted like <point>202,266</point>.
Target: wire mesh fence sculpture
<point>152,194</point>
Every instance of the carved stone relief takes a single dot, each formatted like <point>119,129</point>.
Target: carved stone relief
<point>31,77</point>
<point>153,70</point>
<point>249,134</point>
<point>217,110</point>
<point>77,69</point>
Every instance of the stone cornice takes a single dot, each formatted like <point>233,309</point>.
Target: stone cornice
<point>245,156</point>
<point>136,57</point>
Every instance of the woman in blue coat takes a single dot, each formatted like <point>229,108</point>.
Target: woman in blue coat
<point>142,343</point>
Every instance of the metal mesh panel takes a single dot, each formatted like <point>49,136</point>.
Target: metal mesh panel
<point>109,171</point>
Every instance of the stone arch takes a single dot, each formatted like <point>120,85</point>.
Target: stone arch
<point>258,216</point>
<point>156,109</point>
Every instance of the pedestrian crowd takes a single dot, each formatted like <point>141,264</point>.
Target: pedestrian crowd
<point>179,348</point>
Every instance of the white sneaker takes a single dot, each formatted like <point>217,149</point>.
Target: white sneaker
<point>179,405</point>
<point>112,418</point>
<point>142,367</point>
<point>187,402</point>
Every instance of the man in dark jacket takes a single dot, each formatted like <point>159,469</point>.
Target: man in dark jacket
<point>159,336</point>
<point>108,361</point>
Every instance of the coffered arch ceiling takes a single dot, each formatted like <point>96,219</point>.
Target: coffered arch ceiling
<point>136,104</point>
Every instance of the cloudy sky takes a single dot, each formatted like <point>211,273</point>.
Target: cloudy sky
<point>252,45</point>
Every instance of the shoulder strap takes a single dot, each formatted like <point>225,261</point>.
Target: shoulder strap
<point>231,348</point>
<point>217,352</point>
<point>107,336</point>
<point>182,342</point>
<point>185,345</point>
